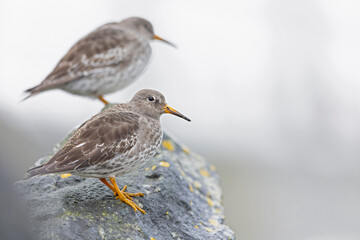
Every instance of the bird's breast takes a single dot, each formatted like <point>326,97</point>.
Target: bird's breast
<point>149,138</point>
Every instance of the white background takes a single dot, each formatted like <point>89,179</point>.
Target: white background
<point>272,88</point>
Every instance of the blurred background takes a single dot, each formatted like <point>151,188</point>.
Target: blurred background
<point>272,88</point>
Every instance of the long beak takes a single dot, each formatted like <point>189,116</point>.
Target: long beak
<point>170,110</point>
<point>165,41</point>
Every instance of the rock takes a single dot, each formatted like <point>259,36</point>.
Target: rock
<point>182,201</point>
<point>14,222</point>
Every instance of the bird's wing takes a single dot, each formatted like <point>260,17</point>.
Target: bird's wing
<point>95,142</point>
<point>104,47</point>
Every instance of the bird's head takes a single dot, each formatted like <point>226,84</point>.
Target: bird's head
<point>144,28</point>
<point>152,104</point>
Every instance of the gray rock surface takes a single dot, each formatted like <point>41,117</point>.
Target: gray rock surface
<point>182,201</point>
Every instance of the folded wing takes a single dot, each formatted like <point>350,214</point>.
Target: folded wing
<point>104,47</point>
<point>95,142</point>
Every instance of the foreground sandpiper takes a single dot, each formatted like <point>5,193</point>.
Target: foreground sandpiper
<point>106,60</point>
<point>114,142</point>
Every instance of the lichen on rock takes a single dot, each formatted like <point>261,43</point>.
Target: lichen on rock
<point>182,201</point>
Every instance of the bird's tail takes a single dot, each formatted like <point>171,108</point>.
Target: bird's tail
<point>33,172</point>
<point>31,92</point>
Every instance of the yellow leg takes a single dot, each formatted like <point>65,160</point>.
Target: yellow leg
<point>103,100</point>
<point>103,180</point>
<point>122,197</point>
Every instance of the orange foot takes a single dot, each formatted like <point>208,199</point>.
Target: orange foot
<point>122,195</point>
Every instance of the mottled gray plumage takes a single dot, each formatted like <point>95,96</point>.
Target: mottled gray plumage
<point>114,142</point>
<point>104,61</point>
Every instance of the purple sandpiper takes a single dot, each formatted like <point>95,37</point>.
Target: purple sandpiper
<point>104,61</point>
<point>115,142</point>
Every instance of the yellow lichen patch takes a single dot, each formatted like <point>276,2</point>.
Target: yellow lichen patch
<point>167,213</point>
<point>213,222</point>
<point>168,145</point>
<point>164,164</point>
<point>209,229</point>
<point>182,173</point>
<point>197,184</point>
<point>209,201</point>
<point>147,169</point>
<point>212,167</point>
<point>65,175</point>
<point>152,238</point>
<point>191,203</point>
<point>204,173</point>
<point>186,150</point>
<point>153,167</point>
<point>196,226</point>
<point>191,188</point>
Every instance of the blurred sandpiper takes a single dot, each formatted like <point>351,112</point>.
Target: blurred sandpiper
<point>114,142</point>
<point>104,61</point>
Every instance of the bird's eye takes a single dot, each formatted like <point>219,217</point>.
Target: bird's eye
<point>151,99</point>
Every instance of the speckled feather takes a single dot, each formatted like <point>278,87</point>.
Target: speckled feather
<point>104,61</point>
<point>114,142</point>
